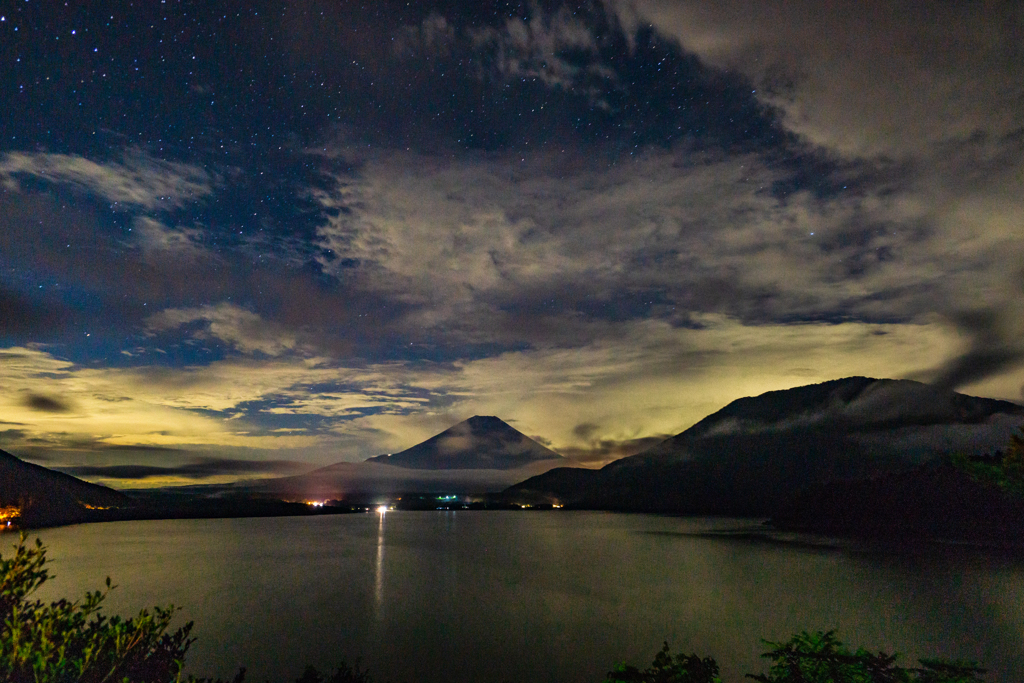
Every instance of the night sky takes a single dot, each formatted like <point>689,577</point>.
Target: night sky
<point>246,239</point>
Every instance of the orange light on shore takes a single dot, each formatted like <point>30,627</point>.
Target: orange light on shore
<point>8,514</point>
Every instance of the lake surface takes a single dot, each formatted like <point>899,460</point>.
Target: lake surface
<point>489,596</point>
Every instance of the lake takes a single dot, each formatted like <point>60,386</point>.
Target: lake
<point>491,596</point>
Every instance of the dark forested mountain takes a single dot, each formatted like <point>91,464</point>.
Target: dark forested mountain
<point>481,442</point>
<point>756,453</point>
<point>936,500</point>
<point>36,496</point>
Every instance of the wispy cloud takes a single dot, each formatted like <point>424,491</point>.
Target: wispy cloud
<point>203,468</point>
<point>498,250</point>
<point>157,239</point>
<point>138,181</point>
<point>235,325</point>
<point>864,77</point>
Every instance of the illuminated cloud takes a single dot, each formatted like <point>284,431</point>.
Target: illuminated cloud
<point>657,380</point>
<point>863,77</point>
<point>157,239</point>
<point>243,329</point>
<point>477,252</point>
<point>530,49</point>
<point>140,180</point>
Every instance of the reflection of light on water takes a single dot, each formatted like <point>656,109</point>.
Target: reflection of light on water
<point>378,579</point>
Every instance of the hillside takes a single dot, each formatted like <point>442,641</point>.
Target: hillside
<point>935,500</point>
<point>32,495</point>
<point>755,454</point>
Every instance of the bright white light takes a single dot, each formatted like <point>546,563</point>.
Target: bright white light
<point>382,509</point>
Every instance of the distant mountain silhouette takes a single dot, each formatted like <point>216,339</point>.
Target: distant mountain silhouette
<point>481,442</point>
<point>43,497</point>
<point>752,456</point>
<point>32,496</point>
<point>480,455</point>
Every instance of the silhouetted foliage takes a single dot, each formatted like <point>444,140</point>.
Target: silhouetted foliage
<point>804,658</point>
<point>1005,470</point>
<point>68,641</point>
<point>343,674</point>
<point>666,669</point>
<point>821,658</point>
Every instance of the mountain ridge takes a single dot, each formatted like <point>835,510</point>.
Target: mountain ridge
<point>44,497</point>
<point>752,455</point>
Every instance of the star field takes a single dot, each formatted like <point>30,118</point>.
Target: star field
<point>318,231</point>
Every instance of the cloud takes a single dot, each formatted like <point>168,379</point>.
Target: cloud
<point>464,241</point>
<point>138,181</point>
<point>603,451</point>
<point>133,407</point>
<point>11,434</point>
<point>599,235</point>
<point>46,404</point>
<point>863,78</point>
<point>489,249</point>
<point>157,239</point>
<point>638,380</point>
<point>531,48</point>
<point>229,323</point>
<point>994,345</point>
<point>199,469</point>
<point>598,400</point>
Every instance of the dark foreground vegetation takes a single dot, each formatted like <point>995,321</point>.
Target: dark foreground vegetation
<point>73,642</point>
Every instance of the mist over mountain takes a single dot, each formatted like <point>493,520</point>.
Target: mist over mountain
<point>756,453</point>
<point>479,455</point>
<point>481,442</point>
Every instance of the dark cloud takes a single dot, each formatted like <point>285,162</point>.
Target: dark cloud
<point>606,450</point>
<point>13,435</point>
<point>71,446</point>
<point>200,469</point>
<point>47,404</point>
<point>993,347</point>
<point>132,448</point>
<point>585,430</point>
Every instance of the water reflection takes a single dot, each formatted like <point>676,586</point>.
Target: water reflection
<point>378,577</point>
<point>495,596</point>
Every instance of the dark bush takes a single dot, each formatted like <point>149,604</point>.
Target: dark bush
<point>68,641</point>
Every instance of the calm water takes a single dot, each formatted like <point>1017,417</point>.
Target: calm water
<point>530,596</point>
